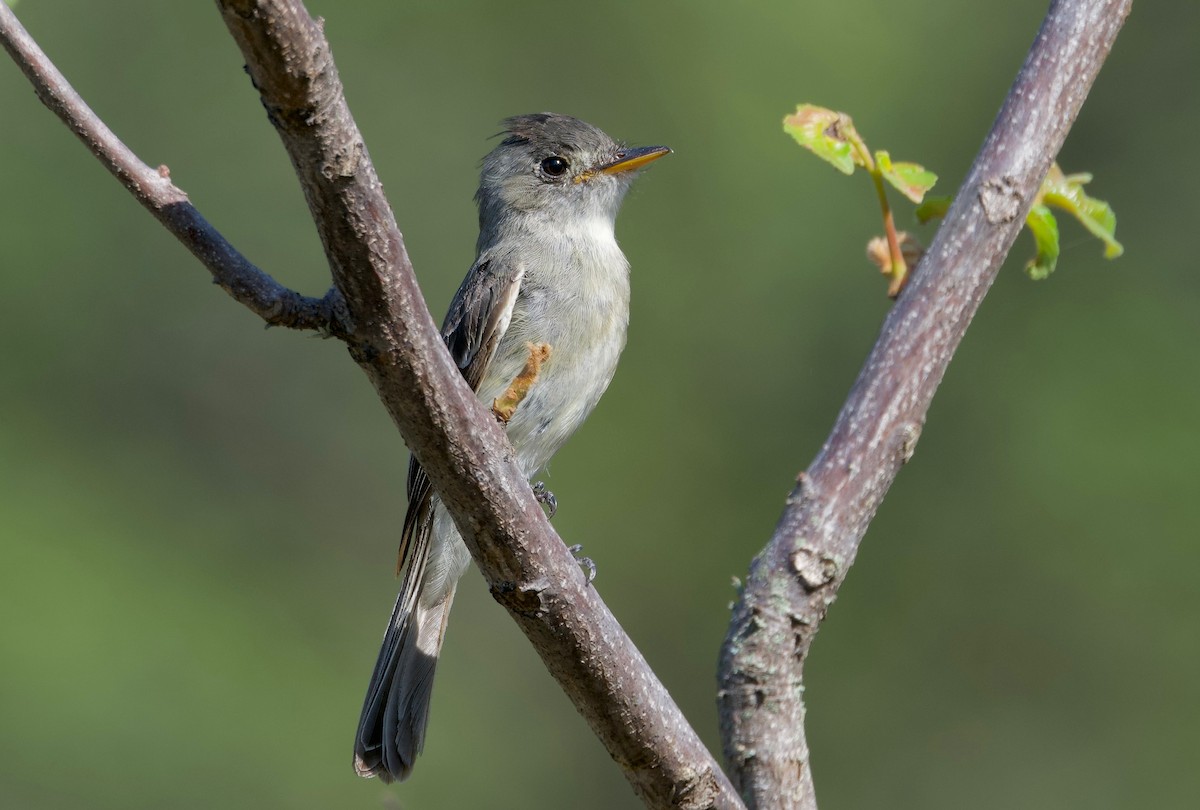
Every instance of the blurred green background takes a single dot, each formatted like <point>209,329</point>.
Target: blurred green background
<point>198,518</point>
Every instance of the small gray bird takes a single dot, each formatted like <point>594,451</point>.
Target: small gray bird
<point>547,271</point>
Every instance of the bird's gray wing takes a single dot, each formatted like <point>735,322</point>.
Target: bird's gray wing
<point>478,317</point>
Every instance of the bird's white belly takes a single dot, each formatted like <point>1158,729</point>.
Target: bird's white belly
<point>583,318</point>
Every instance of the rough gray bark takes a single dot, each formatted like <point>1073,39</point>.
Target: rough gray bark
<point>795,578</point>
<point>377,309</point>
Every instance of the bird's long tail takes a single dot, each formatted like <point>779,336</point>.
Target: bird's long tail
<point>391,730</point>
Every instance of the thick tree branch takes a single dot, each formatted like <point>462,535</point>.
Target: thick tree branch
<point>378,310</point>
<point>456,439</point>
<point>270,300</point>
<point>453,435</point>
<point>795,578</point>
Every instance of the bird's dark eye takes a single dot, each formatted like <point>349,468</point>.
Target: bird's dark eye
<point>555,166</point>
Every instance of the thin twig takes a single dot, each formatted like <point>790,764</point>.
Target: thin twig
<point>794,579</point>
<point>270,300</point>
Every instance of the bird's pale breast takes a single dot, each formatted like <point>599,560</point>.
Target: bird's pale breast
<point>574,297</point>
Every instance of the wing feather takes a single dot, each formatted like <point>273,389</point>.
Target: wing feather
<point>479,316</point>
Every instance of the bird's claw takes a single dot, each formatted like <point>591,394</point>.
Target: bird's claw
<point>584,562</point>
<point>546,498</point>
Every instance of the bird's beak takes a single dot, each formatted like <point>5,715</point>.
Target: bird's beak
<point>630,159</point>
<point>627,160</point>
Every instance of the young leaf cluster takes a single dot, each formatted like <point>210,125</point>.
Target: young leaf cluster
<point>831,136</point>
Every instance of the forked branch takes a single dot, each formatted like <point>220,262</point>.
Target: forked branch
<point>377,309</point>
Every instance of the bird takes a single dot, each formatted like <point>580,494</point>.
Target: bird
<point>548,273</point>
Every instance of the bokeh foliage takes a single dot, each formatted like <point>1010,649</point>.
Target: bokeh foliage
<point>198,519</point>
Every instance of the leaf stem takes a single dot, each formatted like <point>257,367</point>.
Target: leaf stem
<point>899,268</point>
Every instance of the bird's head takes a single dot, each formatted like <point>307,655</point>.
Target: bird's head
<point>558,167</point>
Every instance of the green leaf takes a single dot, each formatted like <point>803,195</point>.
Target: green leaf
<point>912,179</point>
<point>1066,192</point>
<point>933,208</point>
<point>1044,227</point>
<point>829,135</point>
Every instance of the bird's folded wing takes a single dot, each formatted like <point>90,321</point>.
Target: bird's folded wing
<point>478,317</point>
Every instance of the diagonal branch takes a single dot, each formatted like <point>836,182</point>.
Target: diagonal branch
<point>795,578</point>
<point>453,435</point>
<point>270,300</point>
<point>377,308</point>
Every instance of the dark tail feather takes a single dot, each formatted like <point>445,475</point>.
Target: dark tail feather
<point>391,731</point>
